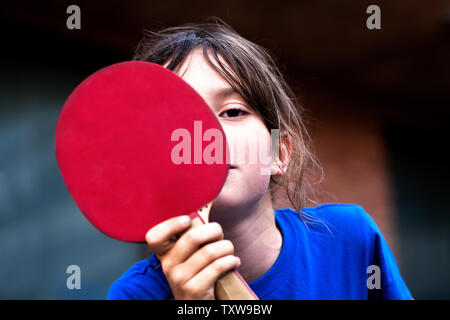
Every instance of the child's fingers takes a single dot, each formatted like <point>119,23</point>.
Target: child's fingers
<point>201,259</point>
<point>189,243</point>
<point>160,237</point>
<point>206,279</point>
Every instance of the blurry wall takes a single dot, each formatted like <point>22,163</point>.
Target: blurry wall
<point>351,148</point>
<point>42,232</point>
<point>397,168</point>
<point>378,102</point>
<point>420,166</point>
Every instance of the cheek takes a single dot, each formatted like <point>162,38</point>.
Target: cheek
<point>245,185</point>
<point>249,146</point>
<point>256,179</point>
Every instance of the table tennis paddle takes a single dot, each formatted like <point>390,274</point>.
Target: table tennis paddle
<point>130,146</point>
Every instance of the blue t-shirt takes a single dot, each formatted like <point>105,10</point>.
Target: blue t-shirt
<point>340,254</point>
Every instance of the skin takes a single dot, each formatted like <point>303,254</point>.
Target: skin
<point>193,260</point>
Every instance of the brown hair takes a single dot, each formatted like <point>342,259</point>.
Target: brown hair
<point>256,77</point>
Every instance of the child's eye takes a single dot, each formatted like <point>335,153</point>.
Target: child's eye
<point>233,113</point>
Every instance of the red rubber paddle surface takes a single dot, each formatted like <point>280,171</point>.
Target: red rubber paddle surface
<point>114,146</point>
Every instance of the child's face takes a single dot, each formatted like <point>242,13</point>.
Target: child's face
<point>245,130</point>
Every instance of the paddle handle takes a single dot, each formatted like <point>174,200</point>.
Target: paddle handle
<point>231,285</point>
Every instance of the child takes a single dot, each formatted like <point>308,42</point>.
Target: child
<point>332,251</point>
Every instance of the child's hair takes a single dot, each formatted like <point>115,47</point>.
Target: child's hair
<point>257,79</point>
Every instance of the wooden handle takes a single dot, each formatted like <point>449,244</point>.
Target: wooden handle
<point>230,286</point>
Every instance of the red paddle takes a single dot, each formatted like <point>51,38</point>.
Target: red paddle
<point>136,145</point>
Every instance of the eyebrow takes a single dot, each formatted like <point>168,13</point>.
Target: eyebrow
<point>223,93</point>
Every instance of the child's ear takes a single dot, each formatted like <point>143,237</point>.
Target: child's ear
<point>280,164</point>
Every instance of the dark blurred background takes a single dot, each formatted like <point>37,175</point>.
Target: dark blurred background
<point>378,102</point>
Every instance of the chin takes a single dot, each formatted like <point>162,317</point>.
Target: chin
<point>237,196</point>
<point>228,198</point>
<point>228,201</point>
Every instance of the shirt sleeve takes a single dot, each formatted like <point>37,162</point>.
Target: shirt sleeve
<point>119,292</point>
<point>391,285</point>
<point>144,281</point>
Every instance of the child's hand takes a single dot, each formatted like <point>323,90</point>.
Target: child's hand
<point>192,263</point>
